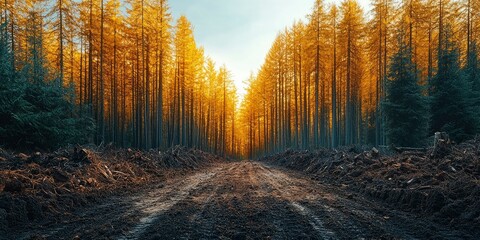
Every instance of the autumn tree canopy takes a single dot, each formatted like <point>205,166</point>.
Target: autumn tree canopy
<point>138,74</point>
<point>140,77</point>
<point>325,81</point>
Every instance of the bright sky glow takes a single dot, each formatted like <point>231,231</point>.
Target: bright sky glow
<point>239,33</point>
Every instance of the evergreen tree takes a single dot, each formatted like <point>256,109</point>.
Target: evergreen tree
<point>6,55</point>
<point>405,105</point>
<point>35,112</point>
<point>450,107</point>
<point>11,90</point>
<point>472,74</point>
<point>34,68</point>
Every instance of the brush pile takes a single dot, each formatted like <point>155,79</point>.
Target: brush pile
<point>42,183</point>
<point>441,182</point>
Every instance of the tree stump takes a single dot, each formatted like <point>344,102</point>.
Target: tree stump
<point>441,145</point>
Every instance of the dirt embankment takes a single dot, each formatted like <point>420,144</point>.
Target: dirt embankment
<point>54,184</point>
<point>445,188</point>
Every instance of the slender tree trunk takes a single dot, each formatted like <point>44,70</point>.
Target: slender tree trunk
<point>383,134</point>
<point>101,93</point>
<point>295,89</point>
<point>224,116</point>
<point>348,107</point>
<point>60,38</point>
<point>334,86</point>
<point>90,60</point>
<point>114,127</point>
<point>440,30</point>
<point>469,33</point>
<point>81,76</point>
<point>317,79</point>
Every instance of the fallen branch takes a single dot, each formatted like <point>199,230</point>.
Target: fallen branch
<point>408,149</point>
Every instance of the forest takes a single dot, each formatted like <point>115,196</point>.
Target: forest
<point>360,123</point>
<point>125,73</point>
<point>110,72</point>
<point>392,76</point>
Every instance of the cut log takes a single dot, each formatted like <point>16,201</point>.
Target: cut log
<point>409,149</point>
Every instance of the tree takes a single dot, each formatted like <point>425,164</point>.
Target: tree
<point>162,28</point>
<point>378,45</point>
<point>6,54</point>
<point>316,22</point>
<point>184,53</point>
<point>351,27</point>
<point>101,114</point>
<point>126,70</point>
<point>471,72</point>
<point>34,108</point>
<point>335,117</point>
<point>405,105</point>
<point>64,20</point>
<point>450,109</point>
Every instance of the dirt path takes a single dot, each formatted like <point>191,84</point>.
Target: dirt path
<point>242,200</point>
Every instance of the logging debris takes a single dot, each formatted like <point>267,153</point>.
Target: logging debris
<point>32,185</point>
<point>442,182</point>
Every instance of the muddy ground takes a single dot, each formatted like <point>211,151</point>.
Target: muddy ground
<point>240,200</point>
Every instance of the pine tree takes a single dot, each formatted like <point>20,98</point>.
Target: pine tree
<point>11,91</point>
<point>472,74</point>
<point>405,106</point>
<point>6,55</point>
<point>34,110</point>
<point>350,40</point>
<point>450,109</point>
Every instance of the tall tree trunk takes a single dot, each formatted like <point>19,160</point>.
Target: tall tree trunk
<point>334,85</point>
<point>90,60</point>
<point>101,93</point>
<point>60,38</point>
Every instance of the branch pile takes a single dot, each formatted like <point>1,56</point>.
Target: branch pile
<point>42,183</point>
<point>443,186</point>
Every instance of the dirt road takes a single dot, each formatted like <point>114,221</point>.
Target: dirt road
<point>242,200</point>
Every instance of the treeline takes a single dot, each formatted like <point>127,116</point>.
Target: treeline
<point>144,82</point>
<point>391,76</point>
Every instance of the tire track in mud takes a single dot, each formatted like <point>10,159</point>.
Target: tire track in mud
<point>351,216</point>
<point>198,215</point>
<point>156,203</point>
<point>207,224</point>
<point>124,217</point>
<point>293,191</point>
<point>340,217</point>
<point>315,221</point>
<point>236,203</point>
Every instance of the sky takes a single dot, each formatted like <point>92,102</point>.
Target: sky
<point>239,33</point>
